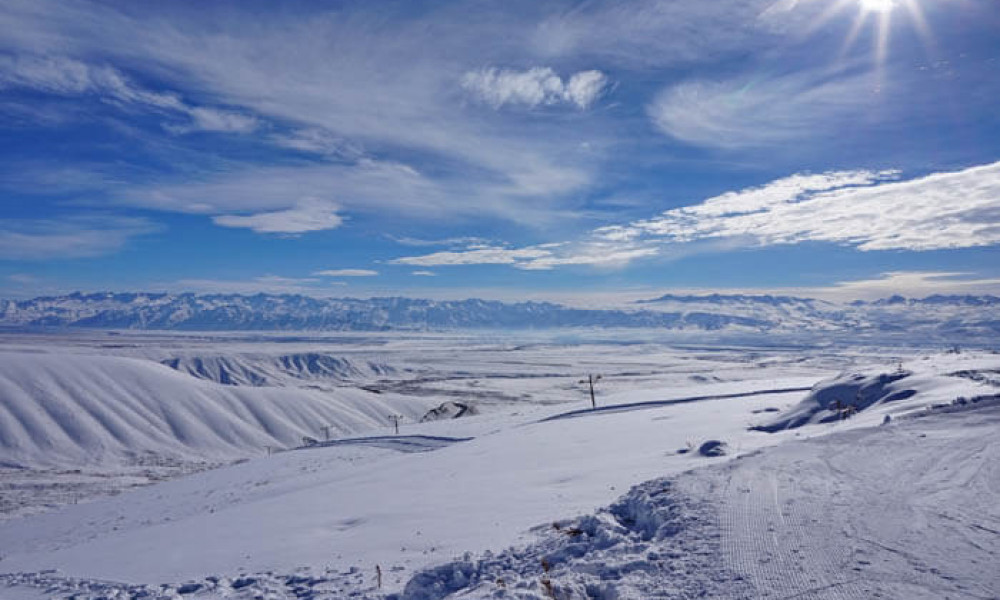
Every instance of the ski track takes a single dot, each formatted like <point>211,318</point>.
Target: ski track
<point>855,519</point>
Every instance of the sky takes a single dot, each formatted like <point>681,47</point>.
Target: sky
<point>512,150</point>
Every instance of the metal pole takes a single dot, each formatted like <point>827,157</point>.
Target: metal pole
<point>593,402</point>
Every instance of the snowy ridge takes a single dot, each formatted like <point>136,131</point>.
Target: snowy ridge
<point>270,370</point>
<point>76,409</point>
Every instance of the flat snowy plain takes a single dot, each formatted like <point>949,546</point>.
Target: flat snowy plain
<point>533,496</point>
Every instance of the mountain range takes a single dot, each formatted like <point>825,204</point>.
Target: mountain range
<point>966,315</point>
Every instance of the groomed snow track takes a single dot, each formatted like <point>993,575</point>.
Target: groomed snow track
<point>904,511</point>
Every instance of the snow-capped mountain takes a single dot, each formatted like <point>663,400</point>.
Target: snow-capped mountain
<point>956,316</point>
<point>294,312</point>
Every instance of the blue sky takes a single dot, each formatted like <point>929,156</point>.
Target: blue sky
<point>592,151</point>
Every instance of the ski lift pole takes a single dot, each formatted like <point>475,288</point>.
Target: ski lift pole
<point>395,421</point>
<point>590,382</point>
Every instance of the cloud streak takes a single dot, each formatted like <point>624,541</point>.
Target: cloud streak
<point>67,77</point>
<point>69,237</point>
<point>310,214</point>
<point>347,273</point>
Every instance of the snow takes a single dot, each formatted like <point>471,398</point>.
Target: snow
<point>536,496</point>
<point>63,409</point>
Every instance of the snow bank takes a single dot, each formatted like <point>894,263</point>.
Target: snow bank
<point>64,410</point>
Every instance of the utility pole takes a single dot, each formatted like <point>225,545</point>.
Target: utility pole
<point>395,421</point>
<point>590,381</point>
<point>326,431</point>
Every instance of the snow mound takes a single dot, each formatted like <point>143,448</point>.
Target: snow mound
<point>265,370</point>
<point>931,382</point>
<point>657,541</point>
<point>69,410</point>
<point>839,398</point>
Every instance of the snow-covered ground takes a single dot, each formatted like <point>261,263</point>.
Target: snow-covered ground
<point>529,498</point>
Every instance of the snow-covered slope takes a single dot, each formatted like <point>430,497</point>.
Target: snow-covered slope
<point>271,370</point>
<point>903,511</point>
<point>62,409</point>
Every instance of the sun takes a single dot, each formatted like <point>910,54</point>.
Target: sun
<point>878,6</point>
<point>879,14</point>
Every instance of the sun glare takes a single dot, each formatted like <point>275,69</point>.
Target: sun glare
<point>881,6</point>
<point>879,14</point>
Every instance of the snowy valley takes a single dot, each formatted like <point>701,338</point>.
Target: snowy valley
<point>264,465</point>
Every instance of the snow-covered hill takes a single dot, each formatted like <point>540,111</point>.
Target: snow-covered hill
<point>972,318</point>
<point>71,410</point>
<point>271,370</point>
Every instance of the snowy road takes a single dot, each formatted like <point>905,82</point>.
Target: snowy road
<point>905,511</point>
<point>616,408</point>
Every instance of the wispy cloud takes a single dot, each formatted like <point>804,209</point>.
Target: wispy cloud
<point>424,273</point>
<point>535,86</point>
<point>68,77</point>
<point>70,237</point>
<point>347,273</point>
<point>764,111</point>
<point>317,141</point>
<point>309,214</point>
<point>453,241</point>
<point>490,255</point>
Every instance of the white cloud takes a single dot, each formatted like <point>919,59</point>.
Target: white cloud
<point>541,257</point>
<point>747,112</point>
<point>533,87</point>
<point>347,273</point>
<point>211,119</point>
<point>454,241</point>
<point>68,77</point>
<point>870,210</point>
<point>911,284</point>
<point>490,255</point>
<point>424,273</point>
<point>267,284</point>
<point>71,237</point>
<point>23,279</point>
<point>944,210</point>
<point>308,215</point>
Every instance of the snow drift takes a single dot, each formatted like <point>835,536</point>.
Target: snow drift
<point>73,410</point>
